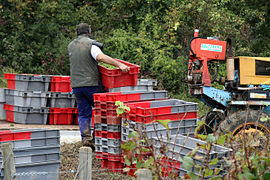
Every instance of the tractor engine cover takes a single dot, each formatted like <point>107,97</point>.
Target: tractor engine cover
<point>208,48</point>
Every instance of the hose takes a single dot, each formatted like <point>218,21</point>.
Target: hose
<point>191,48</point>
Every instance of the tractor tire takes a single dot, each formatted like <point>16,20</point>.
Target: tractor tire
<point>235,122</point>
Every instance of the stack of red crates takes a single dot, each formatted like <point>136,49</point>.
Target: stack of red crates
<point>106,116</point>
<point>108,126</point>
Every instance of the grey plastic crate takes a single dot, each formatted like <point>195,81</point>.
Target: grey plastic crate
<point>126,131</point>
<point>107,127</point>
<point>36,171</point>
<point>40,133</point>
<point>150,95</point>
<point>173,131</point>
<point>154,129</point>
<point>35,99</point>
<point>113,128</point>
<point>154,95</point>
<point>132,88</point>
<point>114,150</point>
<point>29,115</point>
<point>104,142</point>
<point>9,96</point>
<point>160,133</point>
<point>149,82</point>
<point>37,142</point>
<point>61,100</point>
<point>142,85</point>
<point>98,127</point>
<point>2,95</point>
<point>176,105</point>
<point>35,150</point>
<point>2,111</point>
<point>98,148</point>
<point>114,142</point>
<point>35,158</point>
<point>124,137</point>
<point>98,141</point>
<point>172,124</point>
<point>110,142</point>
<point>221,174</point>
<point>28,82</point>
<point>183,145</point>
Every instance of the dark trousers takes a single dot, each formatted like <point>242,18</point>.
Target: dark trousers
<point>85,103</point>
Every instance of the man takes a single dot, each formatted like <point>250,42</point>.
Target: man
<point>84,55</point>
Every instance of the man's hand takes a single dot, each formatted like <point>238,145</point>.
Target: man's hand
<point>124,68</point>
<point>108,60</point>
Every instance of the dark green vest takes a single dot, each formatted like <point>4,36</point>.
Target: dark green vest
<point>83,67</point>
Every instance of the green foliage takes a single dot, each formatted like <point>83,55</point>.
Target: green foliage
<point>154,34</point>
<point>121,108</point>
<point>164,123</point>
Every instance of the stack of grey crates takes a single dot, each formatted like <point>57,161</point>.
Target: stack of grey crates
<point>176,147</point>
<point>108,145</point>
<point>2,102</point>
<point>36,153</point>
<point>30,100</point>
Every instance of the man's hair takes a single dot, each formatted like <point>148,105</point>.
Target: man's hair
<point>83,28</point>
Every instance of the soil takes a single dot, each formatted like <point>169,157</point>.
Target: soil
<point>70,161</point>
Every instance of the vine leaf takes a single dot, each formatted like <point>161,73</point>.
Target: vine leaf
<point>164,123</point>
<point>188,163</point>
<point>264,118</point>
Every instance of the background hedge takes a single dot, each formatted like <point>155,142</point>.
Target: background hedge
<point>34,34</point>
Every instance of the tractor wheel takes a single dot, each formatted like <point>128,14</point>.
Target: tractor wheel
<point>247,128</point>
<point>212,120</point>
<point>235,122</point>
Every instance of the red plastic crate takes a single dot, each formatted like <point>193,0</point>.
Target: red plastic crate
<point>115,157</point>
<point>98,155</point>
<point>62,115</point>
<point>108,119</point>
<point>115,166</point>
<point>9,136</point>
<point>104,155</point>
<point>132,170</point>
<point>104,164</point>
<point>100,112</point>
<point>112,78</point>
<point>10,77</point>
<point>102,97</point>
<point>114,135</point>
<point>60,84</point>
<point>98,133</point>
<point>4,132</point>
<point>171,116</point>
<point>9,112</point>
<point>144,108</point>
<point>108,134</point>
<point>92,120</point>
<point>169,165</point>
<point>104,134</point>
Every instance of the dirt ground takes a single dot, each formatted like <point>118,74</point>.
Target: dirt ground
<point>70,161</point>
